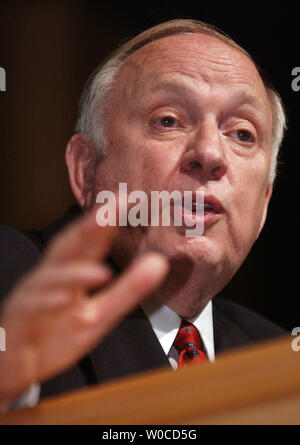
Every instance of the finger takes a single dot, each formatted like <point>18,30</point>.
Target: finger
<point>82,240</point>
<point>54,289</point>
<point>137,282</point>
<point>83,274</point>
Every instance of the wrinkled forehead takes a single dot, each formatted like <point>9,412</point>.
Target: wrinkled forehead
<point>193,55</point>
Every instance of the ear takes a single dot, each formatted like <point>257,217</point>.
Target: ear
<point>264,215</point>
<point>80,158</point>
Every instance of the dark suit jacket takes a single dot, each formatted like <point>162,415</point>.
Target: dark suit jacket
<point>132,347</point>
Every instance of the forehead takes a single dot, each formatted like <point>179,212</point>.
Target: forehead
<point>194,57</point>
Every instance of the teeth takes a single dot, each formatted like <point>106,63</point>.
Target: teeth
<point>195,206</point>
<point>199,208</point>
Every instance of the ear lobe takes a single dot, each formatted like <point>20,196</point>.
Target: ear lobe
<point>80,158</point>
<point>264,215</point>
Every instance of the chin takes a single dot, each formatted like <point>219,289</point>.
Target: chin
<point>198,250</point>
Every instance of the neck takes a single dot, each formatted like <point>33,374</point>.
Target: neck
<point>189,286</point>
<point>182,290</point>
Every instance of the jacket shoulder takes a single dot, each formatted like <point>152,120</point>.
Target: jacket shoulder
<point>18,254</point>
<point>41,238</point>
<point>236,325</point>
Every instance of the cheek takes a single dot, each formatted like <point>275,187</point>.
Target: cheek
<point>140,158</point>
<point>249,179</point>
<point>248,205</point>
<point>247,188</point>
<point>146,164</point>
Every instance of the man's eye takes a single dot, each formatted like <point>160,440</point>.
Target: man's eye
<point>167,121</point>
<point>244,136</point>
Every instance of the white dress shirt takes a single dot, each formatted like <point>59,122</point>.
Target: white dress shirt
<point>165,323</point>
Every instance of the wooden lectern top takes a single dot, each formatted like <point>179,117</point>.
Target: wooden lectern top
<point>254,385</point>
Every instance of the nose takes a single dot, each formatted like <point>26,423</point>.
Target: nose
<point>205,155</point>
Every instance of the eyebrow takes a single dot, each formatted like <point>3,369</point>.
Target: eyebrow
<point>243,98</point>
<point>239,98</point>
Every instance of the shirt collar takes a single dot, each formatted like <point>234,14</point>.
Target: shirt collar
<point>165,323</point>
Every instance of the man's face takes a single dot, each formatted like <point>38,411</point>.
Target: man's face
<point>189,113</point>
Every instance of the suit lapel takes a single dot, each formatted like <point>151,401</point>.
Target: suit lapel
<point>132,347</point>
<point>227,334</point>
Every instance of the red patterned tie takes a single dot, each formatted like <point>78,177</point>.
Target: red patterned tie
<point>188,344</point>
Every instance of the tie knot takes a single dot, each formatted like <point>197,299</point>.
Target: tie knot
<point>187,336</point>
<point>188,344</point>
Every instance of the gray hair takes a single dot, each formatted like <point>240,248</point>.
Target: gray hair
<point>93,104</point>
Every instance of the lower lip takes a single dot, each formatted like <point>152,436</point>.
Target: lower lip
<point>190,218</point>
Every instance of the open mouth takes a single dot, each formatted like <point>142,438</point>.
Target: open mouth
<point>204,205</point>
<point>201,208</point>
<point>199,211</point>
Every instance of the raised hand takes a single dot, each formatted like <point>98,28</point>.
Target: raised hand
<point>50,318</point>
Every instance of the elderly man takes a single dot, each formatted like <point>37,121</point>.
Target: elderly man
<point>179,107</point>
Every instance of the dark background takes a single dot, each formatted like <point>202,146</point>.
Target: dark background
<point>48,49</point>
